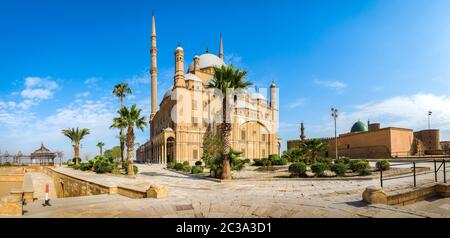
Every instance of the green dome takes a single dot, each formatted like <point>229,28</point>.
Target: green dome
<point>359,126</point>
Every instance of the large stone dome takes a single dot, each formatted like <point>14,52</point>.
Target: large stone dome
<point>359,126</point>
<point>208,60</point>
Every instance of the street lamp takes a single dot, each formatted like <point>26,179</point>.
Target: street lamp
<point>334,114</point>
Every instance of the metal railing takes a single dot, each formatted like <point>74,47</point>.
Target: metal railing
<point>439,165</point>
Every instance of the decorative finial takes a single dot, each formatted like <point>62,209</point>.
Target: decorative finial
<point>207,49</point>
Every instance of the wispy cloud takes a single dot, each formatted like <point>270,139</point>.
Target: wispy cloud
<point>337,85</point>
<point>297,103</point>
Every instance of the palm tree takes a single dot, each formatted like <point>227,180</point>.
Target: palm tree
<point>121,90</point>
<point>227,77</point>
<point>314,146</point>
<point>100,145</point>
<point>76,135</point>
<point>131,118</point>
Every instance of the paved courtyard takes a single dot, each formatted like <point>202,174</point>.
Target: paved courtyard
<point>196,197</point>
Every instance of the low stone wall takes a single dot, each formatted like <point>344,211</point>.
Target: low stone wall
<point>11,205</point>
<point>73,186</point>
<point>376,195</point>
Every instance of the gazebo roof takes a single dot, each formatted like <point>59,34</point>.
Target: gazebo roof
<point>43,152</point>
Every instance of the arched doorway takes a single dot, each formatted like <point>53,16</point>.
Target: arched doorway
<point>170,150</point>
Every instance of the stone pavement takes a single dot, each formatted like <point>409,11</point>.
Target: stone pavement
<point>195,197</point>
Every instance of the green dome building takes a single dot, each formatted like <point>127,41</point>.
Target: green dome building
<point>359,126</point>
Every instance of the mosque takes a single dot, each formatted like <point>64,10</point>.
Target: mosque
<point>189,110</point>
<point>371,141</point>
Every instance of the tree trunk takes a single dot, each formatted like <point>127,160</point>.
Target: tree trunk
<point>122,148</point>
<point>77,153</point>
<point>101,151</point>
<point>130,151</point>
<point>226,128</point>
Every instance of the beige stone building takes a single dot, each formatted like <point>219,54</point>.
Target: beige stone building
<point>372,141</point>
<point>189,109</point>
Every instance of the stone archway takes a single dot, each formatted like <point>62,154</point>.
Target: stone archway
<point>170,150</point>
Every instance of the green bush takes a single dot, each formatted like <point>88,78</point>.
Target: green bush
<point>185,163</point>
<point>323,160</point>
<point>273,160</point>
<point>261,162</point>
<point>187,168</point>
<point>198,163</point>
<point>319,168</point>
<point>103,164</point>
<point>359,165</point>
<point>76,166</point>
<point>383,165</point>
<point>197,169</point>
<point>178,166</point>
<point>364,172</point>
<point>85,166</point>
<point>343,160</point>
<point>171,165</point>
<point>297,169</point>
<point>339,168</point>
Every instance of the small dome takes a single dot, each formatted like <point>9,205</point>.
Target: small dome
<point>244,105</point>
<point>258,96</point>
<point>179,49</point>
<point>359,126</point>
<point>168,93</point>
<point>273,85</point>
<point>208,60</point>
<point>192,77</point>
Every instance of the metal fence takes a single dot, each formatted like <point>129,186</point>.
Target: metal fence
<point>439,166</point>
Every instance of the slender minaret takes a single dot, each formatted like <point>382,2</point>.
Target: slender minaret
<point>221,47</point>
<point>302,132</point>
<point>154,69</point>
<point>179,68</point>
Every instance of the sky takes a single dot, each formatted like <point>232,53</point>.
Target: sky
<point>386,61</point>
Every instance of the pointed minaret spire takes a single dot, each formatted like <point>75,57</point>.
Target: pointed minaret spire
<point>221,47</point>
<point>154,70</point>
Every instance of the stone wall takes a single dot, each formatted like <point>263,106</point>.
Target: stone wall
<point>376,195</point>
<point>72,186</point>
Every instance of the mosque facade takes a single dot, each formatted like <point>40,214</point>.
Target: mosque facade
<point>189,110</point>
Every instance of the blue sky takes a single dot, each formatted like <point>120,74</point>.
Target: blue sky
<point>386,61</point>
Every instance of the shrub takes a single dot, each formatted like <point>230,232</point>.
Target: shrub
<point>103,164</point>
<point>136,169</point>
<point>359,165</point>
<point>323,160</point>
<point>383,165</point>
<point>171,165</point>
<point>280,161</point>
<point>198,163</point>
<point>364,172</point>
<point>297,169</point>
<point>178,166</point>
<point>247,161</point>
<point>261,162</point>
<point>185,163</point>
<point>85,166</point>
<point>76,166</point>
<point>197,169</point>
<point>339,168</point>
<point>319,168</point>
<point>343,160</point>
<point>187,168</point>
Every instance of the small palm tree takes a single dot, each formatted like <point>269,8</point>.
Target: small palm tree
<point>76,135</point>
<point>100,145</point>
<point>314,146</point>
<point>121,90</point>
<point>225,78</point>
<point>131,118</point>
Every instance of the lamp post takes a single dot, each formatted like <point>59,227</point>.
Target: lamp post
<point>334,114</point>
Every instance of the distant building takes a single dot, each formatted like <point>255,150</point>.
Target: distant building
<point>371,141</point>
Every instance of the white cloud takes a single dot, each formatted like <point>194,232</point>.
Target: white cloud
<point>297,103</point>
<point>83,95</point>
<point>92,82</point>
<point>403,111</point>
<point>234,59</point>
<point>38,88</point>
<point>337,85</point>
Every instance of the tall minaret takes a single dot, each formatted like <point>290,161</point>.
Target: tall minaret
<point>221,47</point>
<point>154,69</point>
<point>302,132</point>
<point>179,68</point>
